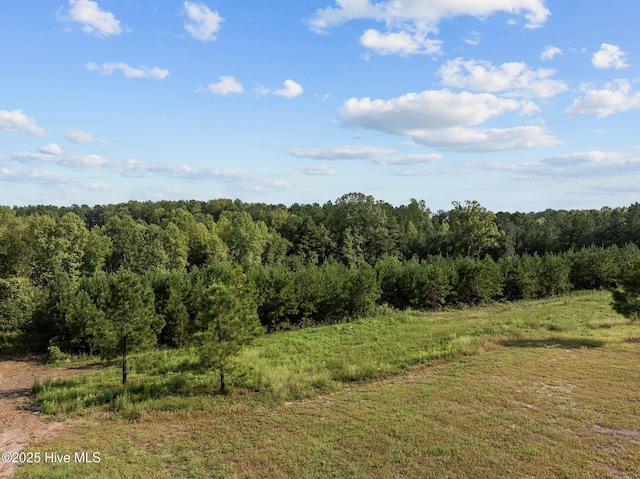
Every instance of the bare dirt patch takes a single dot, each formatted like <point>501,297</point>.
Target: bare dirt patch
<point>19,423</point>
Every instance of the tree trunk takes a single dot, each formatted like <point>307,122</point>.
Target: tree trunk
<point>222,385</point>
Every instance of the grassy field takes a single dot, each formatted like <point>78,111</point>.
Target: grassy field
<point>538,389</point>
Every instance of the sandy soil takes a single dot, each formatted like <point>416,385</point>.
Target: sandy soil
<point>20,424</point>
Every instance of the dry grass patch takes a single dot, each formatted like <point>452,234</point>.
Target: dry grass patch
<point>512,412</point>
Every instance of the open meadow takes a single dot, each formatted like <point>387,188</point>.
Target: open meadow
<point>545,388</point>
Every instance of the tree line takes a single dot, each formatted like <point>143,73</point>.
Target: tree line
<point>110,279</point>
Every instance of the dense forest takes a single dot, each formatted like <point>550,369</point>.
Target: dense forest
<point>86,279</point>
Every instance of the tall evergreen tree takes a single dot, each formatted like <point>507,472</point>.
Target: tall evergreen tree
<point>626,298</point>
<point>230,319</point>
<point>129,321</point>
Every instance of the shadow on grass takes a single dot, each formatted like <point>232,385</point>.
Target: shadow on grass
<point>552,342</point>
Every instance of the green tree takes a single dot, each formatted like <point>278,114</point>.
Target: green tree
<point>245,238</point>
<point>57,246</point>
<point>176,245</point>
<point>129,321</point>
<point>127,242</point>
<point>231,320</point>
<point>363,227</point>
<point>80,313</point>
<point>96,251</point>
<point>15,250</point>
<point>362,291</point>
<point>472,229</point>
<point>203,245</point>
<point>17,302</point>
<point>276,295</point>
<point>626,297</point>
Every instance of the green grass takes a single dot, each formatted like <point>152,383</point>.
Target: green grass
<point>534,389</point>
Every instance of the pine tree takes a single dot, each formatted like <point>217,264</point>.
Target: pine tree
<point>231,321</point>
<point>626,298</point>
<point>129,321</point>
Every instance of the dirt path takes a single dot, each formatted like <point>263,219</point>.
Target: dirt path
<point>18,424</point>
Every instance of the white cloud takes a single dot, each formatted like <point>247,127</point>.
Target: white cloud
<point>17,121</point>
<point>515,78</point>
<point>439,118</point>
<point>609,56</point>
<point>320,169</point>
<point>34,176</point>
<point>422,14</point>
<point>261,90</point>
<point>615,97</point>
<point>413,159</point>
<point>93,20</point>
<point>203,24</point>
<point>71,161</point>
<point>135,168</point>
<point>472,39</point>
<point>225,86</point>
<point>430,109</point>
<point>347,152</point>
<point>402,43</point>
<point>83,137</point>
<point>50,149</point>
<point>375,154</point>
<point>585,164</point>
<point>486,139</point>
<point>550,52</point>
<point>154,73</point>
<point>410,22</point>
<point>291,90</point>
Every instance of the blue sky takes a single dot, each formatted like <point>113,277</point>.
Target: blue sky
<point>518,104</point>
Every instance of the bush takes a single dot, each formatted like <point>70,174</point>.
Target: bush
<point>554,275</point>
<point>478,281</point>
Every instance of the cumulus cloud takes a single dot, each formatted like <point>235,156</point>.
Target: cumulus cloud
<point>411,21</point>
<point>420,12</point>
<point>15,120</point>
<point>609,56</point>
<point>401,43</point>
<point>154,73</point>
<point>93,20</point>
<point>225,86</point>
<point>320,169</point>
<point>615,97</point>
<point>441,118</point>
<point>430,109</point>
<point>82,137</point>
<point>486,139</point>
<point>50,149</point>
<point>291,89</point>
<point>375,154</point>
<point>550,52</point>
<point>515,78</point>
<point>202,23</point>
